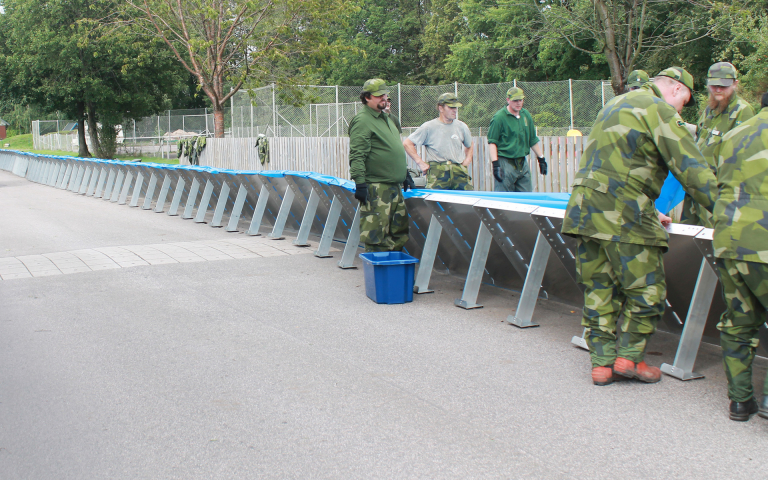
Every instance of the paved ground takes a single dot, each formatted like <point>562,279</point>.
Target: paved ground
<point>280,367</point>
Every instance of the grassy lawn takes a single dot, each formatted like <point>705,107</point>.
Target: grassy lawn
<point>24,143</point>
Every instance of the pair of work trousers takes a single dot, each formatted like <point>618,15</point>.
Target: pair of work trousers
<point>745,290</point>
<point>448,176</point>
<point>383,219</point>
<point>515,175</point>
<point>695,214</point>
<point>620,279</point>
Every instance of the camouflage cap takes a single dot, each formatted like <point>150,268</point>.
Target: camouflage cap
<point>681,75</point>
<point>637,78</point>
<point>722,74</point>
<point>515,93</point>
<point>376,87</point>
<point>449,100</point>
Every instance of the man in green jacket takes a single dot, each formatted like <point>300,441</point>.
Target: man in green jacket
<point>377,165</point>
<point>636,79</point>
<point>511,137</point>
<point>725,111</point>
<point>741,247</point>
<point>636,140</point>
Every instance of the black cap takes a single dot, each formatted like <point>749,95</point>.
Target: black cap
<point>764,103</point>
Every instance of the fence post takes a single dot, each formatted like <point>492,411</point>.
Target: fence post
<point>570,97</point>
<point>399,105</point>
<point>602,91</point>
<point>274,113</point>
<point>337,111</point>
<point>514,82</point>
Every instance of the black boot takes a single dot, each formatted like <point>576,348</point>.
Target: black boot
<point>764,407</point>
<point>740,411</point>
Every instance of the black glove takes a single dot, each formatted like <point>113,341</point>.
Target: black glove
<point>543,165</point>
<point>361,193</point>
<point>408,183</point>
<point>497,171</point>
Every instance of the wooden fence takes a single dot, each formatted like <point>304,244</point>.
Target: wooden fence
<point>330,156</point>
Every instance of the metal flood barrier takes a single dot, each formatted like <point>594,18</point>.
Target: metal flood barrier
<point>508,240</point>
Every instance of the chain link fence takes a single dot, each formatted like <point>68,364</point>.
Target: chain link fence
<point>325,111</point>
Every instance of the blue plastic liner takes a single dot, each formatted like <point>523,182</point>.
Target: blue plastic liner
<point>671,195</point>
<point>389,276</point>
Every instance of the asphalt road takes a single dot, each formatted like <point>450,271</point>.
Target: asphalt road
<point>279,366</point>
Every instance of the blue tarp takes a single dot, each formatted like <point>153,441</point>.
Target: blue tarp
<point>671,194</point>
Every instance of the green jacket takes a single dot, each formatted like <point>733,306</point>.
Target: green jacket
<point>741,210</point>
<point>512,136</point>
<point>376,153</point>
<point>712,126</point>
<point>637,139</point>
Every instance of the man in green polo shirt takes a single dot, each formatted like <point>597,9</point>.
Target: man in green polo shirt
<point>378,167</point>
<point>510,138</point>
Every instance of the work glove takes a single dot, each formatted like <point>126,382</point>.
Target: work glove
<point>361,193</point>
<point>408,183</point>
<point>543,165</point>
<point>497,171</point>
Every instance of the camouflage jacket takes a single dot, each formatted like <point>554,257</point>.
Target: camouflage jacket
<point>741,210</point>
<point>637,139</point>
<point>712,126</point>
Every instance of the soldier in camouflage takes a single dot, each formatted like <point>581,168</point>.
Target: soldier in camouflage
<point>636,79</point>
<point>636,140</point>
<point>741,248</point>
<point>725,111</point>
<point>448,147</point>
<point>378,167</point>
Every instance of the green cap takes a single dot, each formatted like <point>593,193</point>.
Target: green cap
<point>722,74</point>
<point>376,87</point>
<point>515,93</point>
<point>449,100</point>
<point>679,74</point>
<point>637,78</point>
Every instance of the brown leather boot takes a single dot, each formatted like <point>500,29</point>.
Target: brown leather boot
<point>602,375</point>
<point>641,371</point>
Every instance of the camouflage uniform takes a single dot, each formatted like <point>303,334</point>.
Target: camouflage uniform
<point>636,79</point>
<point>448,176</point>
<point>635,141</point>
<point>712,126</point>
<point>741,248</point>
<point>384,220</point>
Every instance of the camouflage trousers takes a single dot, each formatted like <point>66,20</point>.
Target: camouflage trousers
<point>515,175</point>
<point>384,220</point>
<point>620,278</point>
<point>695,214</point>
<point>448,176</point>
<point>745,290</point>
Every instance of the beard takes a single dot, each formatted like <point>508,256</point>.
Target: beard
<point>719,106</point>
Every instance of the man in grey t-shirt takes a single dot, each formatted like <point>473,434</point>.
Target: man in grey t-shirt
<point>449,147</point>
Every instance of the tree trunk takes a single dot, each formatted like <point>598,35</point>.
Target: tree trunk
<point>93,130</point>
<point>82,146</point>
<point>218,121</point>
<point>611,55</point>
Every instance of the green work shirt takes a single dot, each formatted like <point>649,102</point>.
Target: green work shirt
<point>636,141</point>
<point>741,210</point>
<point>712,125</point>
<point>512,136</point>
<point>376,153</point>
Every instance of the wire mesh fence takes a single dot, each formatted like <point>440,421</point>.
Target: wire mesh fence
<point>325,111</point>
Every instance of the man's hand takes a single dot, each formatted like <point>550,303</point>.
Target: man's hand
<point>408,183</point>
<point>361,193</point>
<point>542,165</point>
<point>665,220</point>
<point>497,171</point>
<point>424,166</point>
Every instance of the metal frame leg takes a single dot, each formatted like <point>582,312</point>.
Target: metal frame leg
<point>55,177</point>
<point>120,182</point>
<point>100,184</point>
<point>307,220</point>
<point>258,212</point>
<point>220,205</point>
<point>353,242</point>
<point>163,195</point>
<point>331,222</point>
<point>84,183</point>
<point>468,298</point>
<point>150,192</point>
<point>137,190</point>
<point>110,185</point>
<point>282,215</point>
<point>237,208</point>
<point>428,255</point>
<point>205,200</point>
<point>693,328</point>
<point>174,210</point>
<point>92,185</point>
<point>581,341</point>
<point>123,196</point>
<point>191,198</point>
<point>76,179</point>
<point>65,178</point>
<point>60,177</point>
<point>525,307</point>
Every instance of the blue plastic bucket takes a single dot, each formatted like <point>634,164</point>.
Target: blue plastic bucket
<point>389,276</point>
